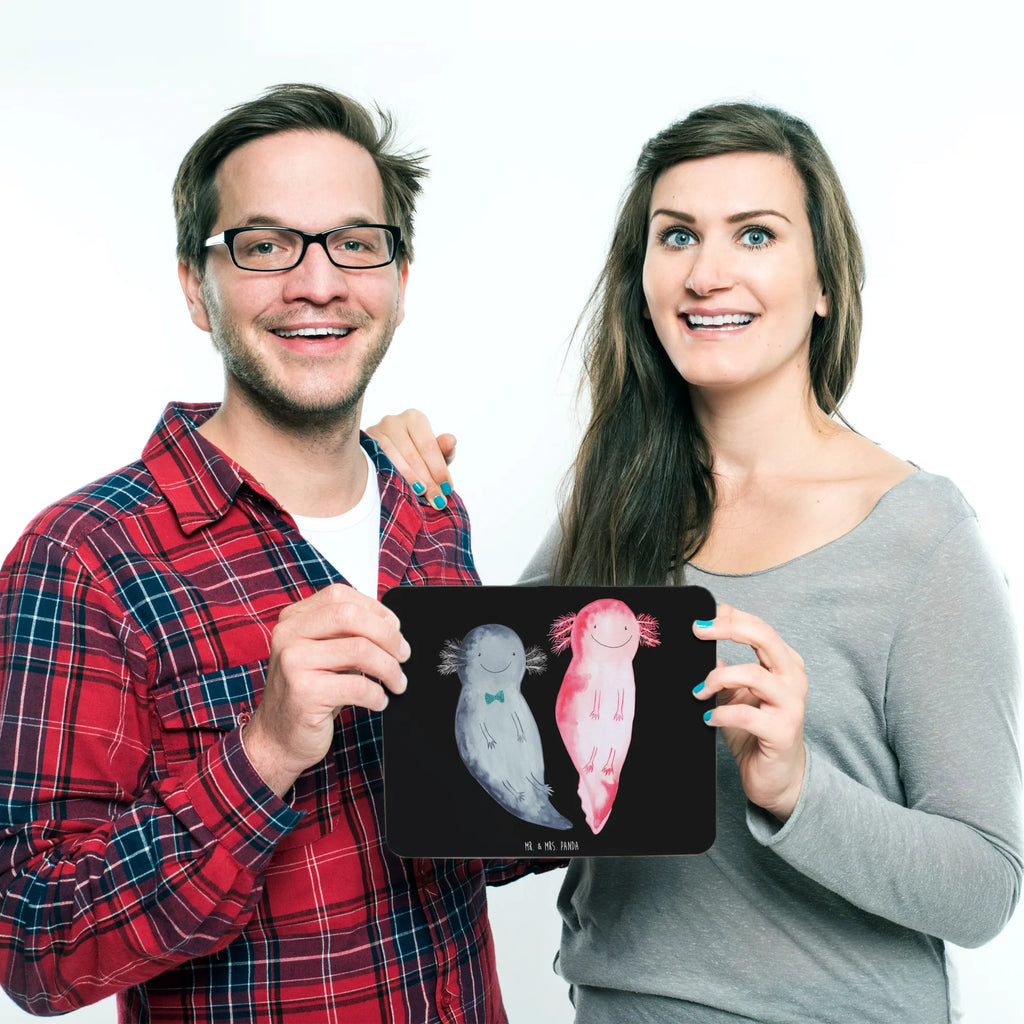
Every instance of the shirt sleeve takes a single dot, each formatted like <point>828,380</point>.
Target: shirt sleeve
<point>501,872</point>
<point>108,874</point>
<point>948,862</point>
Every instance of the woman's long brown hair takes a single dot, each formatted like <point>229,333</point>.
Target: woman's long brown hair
<point>643,494</point>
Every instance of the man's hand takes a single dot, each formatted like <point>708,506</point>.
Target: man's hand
<point>335,648</point>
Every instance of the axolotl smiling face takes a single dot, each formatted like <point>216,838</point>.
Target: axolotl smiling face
<point>495,650</point>
<point>607,627</point>
<point>610,627</point>
<point>488,656</point>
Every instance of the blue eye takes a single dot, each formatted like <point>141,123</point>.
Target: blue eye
<point>756,237</point>
<point>677,238</point>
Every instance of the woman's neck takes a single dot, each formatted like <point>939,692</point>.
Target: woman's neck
<point>762,432</point>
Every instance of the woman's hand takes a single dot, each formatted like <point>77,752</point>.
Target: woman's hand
<point>408,441</point>
<point>760,709</point>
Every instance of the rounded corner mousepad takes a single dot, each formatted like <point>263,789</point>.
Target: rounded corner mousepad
<point>550,722</point>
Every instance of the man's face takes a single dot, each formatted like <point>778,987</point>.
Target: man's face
<point>303,382</point>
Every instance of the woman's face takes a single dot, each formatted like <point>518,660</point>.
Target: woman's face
<point>729,274</point>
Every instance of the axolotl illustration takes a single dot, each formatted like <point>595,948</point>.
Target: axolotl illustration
<point>597,700</point>
<point>495,731</point>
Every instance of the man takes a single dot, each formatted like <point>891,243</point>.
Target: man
<point>190,771</point>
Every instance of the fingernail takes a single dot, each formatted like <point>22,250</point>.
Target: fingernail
<point>699,687</point>
<point>440,502</point>
<point>446,488</point>
<point>404,650</point>
<point>418,488</point>
<point>707,715</point>
<point>705,623</point>
<point>403,683</point>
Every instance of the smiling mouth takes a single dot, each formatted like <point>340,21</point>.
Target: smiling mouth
<point>315,332</point>
<point>496,671</point>
<point>718,322</point>
<point>614,646</point>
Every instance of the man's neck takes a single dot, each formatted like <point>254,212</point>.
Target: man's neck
<point>320,474</point>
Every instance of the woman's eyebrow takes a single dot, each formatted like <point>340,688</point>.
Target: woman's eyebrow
<point>675,214</point>
<point>750,214</point>
<point>734,218</point>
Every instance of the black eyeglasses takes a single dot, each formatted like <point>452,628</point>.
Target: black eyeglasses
<point>352,247</point>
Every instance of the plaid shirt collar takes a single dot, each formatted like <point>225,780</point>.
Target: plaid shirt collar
<point>201,483</point>
<point>198,480</point>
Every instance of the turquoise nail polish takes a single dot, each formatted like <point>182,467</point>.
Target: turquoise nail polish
<point>707,715</point>
<point>446,488</point>
<point>418,488</point>
<point>705,623</point>
<point>439,502</point>
<point>699,687</point>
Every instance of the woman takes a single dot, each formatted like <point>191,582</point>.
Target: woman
<point>869,778</point>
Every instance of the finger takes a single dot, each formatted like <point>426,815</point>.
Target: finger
<point>743,628</point>
<point>408,441</point>
<point>350,657</point>
<point>447,442</point>
<point>742,717</point>
<point>342,611</point>
<point>775,727</point>
<point>358,691</point>
<point>321,669</point>
<point>750,676</point>
<point>394,435</point>
<point>436,479</point>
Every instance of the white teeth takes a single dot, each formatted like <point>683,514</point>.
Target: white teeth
<point>315,332</point>
<point>696,320</point>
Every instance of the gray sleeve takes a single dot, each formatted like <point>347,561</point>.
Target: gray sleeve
<point>949,863</point>
<point>538,570</point>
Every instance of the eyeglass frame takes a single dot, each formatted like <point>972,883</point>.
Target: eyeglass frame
<point>228,235</point>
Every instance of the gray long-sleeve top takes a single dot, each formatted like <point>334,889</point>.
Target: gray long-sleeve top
<point>908,828</point>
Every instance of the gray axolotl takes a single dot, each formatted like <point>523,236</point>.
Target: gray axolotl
<point>495,731</point>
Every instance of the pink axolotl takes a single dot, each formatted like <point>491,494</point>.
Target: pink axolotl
<point>597,699</point>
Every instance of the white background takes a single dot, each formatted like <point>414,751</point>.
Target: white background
<point>533,114</point>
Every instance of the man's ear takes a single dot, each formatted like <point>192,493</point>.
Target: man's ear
<point>403,277</point>
<point>192,286</point>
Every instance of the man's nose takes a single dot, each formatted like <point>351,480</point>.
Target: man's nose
<point>316,279</point>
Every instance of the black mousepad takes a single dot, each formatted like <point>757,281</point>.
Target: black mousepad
<point>550,722</point>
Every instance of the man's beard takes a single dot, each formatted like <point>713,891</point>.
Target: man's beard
<point>300,415</point>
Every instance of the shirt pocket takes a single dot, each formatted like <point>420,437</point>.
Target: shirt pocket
<point>197,711</point>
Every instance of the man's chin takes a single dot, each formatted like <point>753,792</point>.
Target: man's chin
<point>307,419</point>
<point>309,403</point>
<point>303,417</point>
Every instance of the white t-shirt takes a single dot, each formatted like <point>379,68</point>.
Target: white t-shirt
<point>351,541</point>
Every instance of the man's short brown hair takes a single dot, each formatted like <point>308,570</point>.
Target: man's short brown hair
<point>284,108</point>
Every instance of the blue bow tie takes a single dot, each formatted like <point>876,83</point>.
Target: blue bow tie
<point>490,698</point>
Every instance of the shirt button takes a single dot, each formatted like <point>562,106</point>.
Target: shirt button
<point>242,717</point>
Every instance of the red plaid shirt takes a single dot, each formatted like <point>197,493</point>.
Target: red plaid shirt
<point>139,851</point>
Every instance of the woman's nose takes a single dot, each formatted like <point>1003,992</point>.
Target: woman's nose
<point>712,270</point>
